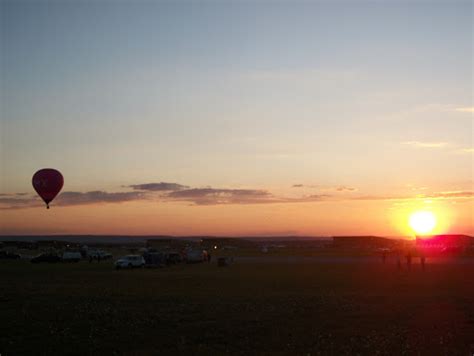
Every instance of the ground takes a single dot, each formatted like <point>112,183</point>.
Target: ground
<point>271,308</point>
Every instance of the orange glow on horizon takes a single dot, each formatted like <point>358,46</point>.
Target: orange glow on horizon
<point>329,218</point>
<point>422,217</point>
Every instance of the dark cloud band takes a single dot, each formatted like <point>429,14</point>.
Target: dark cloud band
<point>158,187</point>
<point>169,192</point>
<point>79,198</point>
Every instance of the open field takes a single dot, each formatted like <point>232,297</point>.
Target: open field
<point>270,308</point>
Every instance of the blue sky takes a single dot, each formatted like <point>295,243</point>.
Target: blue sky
<point>375,95</point>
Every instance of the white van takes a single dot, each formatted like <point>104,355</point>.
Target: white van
<point>130,261</point>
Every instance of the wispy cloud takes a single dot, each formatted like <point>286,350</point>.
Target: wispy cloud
<point>158,187</point>
<point>337,188</point>
<point>312,186</point>
<point>452,194</point>
<point>453,148</point>
<point>98,196</point>
<point>465,109</point>
<point>217,196</point>
<point>173,192</point>
<point>344,188</point>
<point>379,197</point>
<point>12,201</point>
<point>420,144</point>
<point>212,196</point>
<point>196,196</point>
<point>465,150</point>
<point>72,198</point>
<point>12,194</point>
<point>435,195</point>
<point>308,199</point>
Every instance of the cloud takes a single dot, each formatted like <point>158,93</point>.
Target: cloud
<point>465,150</point>
<point>209,196</point>
<point>213,196</point>
<point>166,192</point>
<point>436,195</point>
<point>79,198</point>
<point>338,188</point>
<point>312,186</point>
<point>452,194</point>
<point>465,109</point>
<point>159,187</point>
<point>425,144</point>
<point>308,199</point>
<point>11,201</point>
<point>12,194</point>
<point>380,197</point>
<point>72,198</point>
<point>343,188</point>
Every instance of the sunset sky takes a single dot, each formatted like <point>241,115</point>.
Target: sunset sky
<point>237,118</point>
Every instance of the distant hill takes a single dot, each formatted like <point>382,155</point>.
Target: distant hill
<point>130,239</point>
<point>120,239</point>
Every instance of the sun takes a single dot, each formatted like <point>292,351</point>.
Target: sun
<point>422,222</point>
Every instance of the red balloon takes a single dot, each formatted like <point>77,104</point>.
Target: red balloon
<point>48,183</point>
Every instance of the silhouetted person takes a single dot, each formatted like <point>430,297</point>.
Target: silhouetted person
<point>409,261</point>
<point>208,257</point>
<point>98,258</point>
<point>90,259</point>
<point>423,260</point>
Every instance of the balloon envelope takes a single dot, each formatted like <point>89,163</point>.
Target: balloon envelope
<point>48,183</point>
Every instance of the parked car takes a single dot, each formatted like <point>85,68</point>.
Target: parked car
<point>130,261</point>
<point>96,254</point>
<point>196,256</point>
<point>154,259</point>
<point>70,256</point>
<point>46,257</point>
<point>173,258</point>
<point>5,255</point>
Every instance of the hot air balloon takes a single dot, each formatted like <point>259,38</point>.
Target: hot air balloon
<point>47,183</point>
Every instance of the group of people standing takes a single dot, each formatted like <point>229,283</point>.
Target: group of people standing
<point>408,258</point>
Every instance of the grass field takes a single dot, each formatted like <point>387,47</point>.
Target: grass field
<point>246,308</point>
